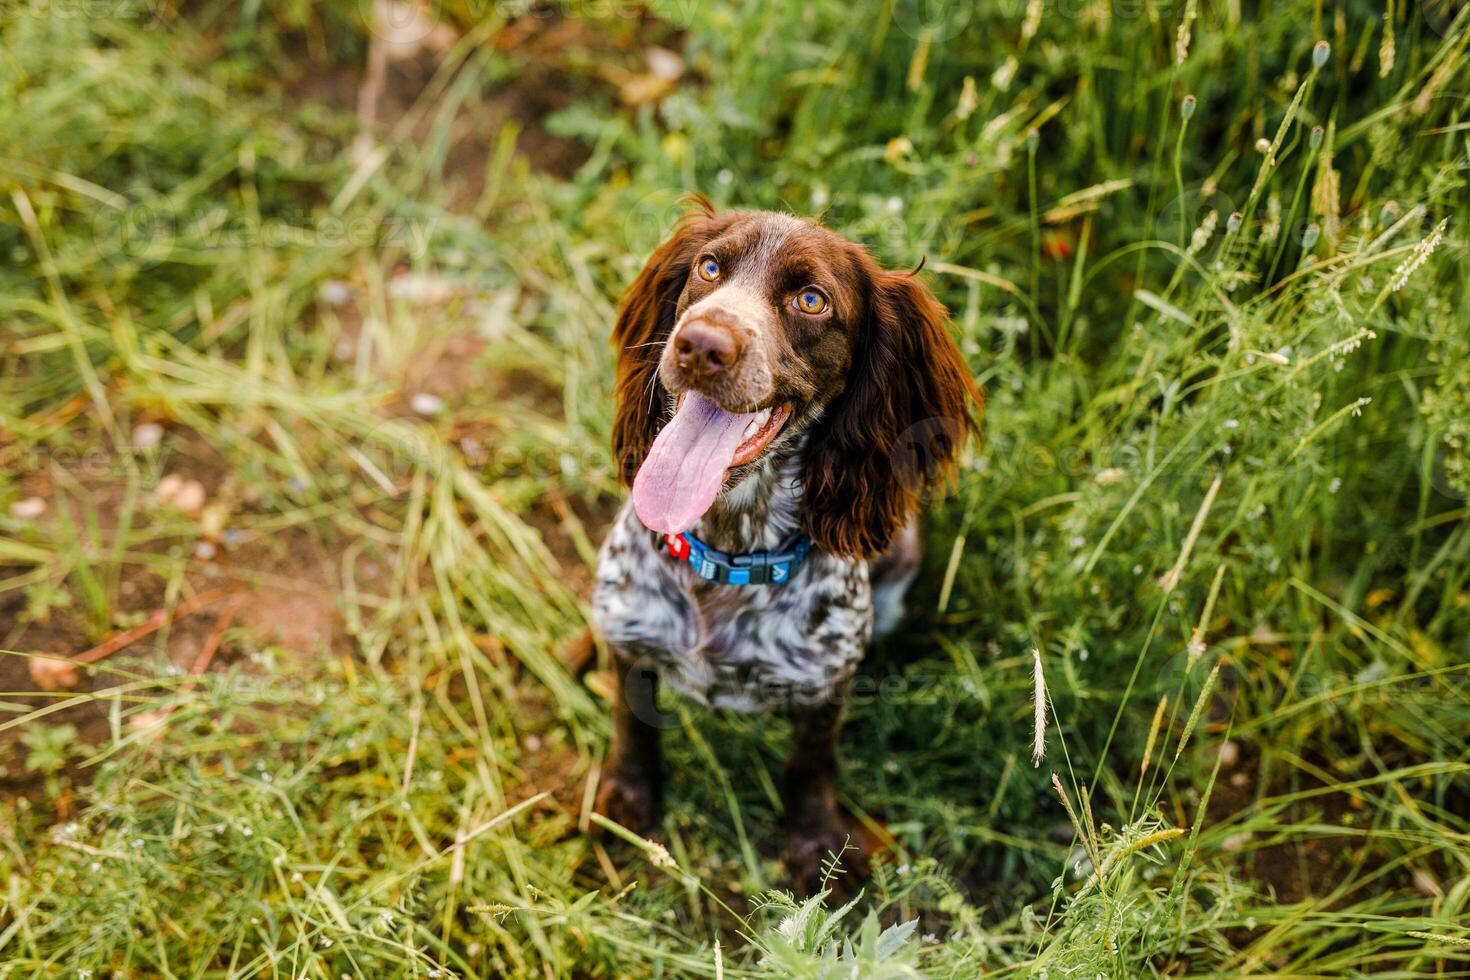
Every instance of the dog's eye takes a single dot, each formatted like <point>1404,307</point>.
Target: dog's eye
<point>810,302</point>
<point>709,270</point>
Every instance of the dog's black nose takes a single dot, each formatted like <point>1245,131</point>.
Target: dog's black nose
<point>705,348</point>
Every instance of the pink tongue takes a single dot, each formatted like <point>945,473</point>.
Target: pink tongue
<point>686,466</point>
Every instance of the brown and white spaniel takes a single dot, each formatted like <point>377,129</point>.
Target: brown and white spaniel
<point>783,404</point>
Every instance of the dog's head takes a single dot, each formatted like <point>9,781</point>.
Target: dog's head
<point>759,329</point>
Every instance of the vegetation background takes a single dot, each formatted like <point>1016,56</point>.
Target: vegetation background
<point>304,387</point>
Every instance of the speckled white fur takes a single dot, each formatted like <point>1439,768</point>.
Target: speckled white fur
<point>743,647</point>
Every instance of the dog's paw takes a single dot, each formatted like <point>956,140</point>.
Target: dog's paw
<point>629,799</point>
<point>810,852</point>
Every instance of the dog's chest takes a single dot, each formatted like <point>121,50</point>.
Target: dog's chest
<point>741,647</point>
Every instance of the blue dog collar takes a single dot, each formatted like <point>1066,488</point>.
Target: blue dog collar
<point>755,568</point>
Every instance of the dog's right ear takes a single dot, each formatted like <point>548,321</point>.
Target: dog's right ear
<point>645,317</point>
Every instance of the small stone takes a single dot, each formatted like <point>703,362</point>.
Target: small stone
<point>147,436</point>
<point>422,289</point>
<point>664,64</point>
<point>28,509</point>
<point>187,495</point>
<point>424,403</point>
<point>190,497</point>
<point>335,292</point>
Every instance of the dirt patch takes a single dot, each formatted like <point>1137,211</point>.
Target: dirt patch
<point>292,581</point>
<point>547,82</point>
<point>240,590</point>
<point>282,585</point>
<point>1291,870</point>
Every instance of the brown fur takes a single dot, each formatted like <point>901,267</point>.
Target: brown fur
<point>896,428</point>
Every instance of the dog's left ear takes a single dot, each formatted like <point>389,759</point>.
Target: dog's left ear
<point>897,428</point>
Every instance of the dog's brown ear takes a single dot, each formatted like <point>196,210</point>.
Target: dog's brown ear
<point>897,427</point>
<point>645,317</point>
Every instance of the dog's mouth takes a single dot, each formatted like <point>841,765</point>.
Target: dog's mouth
<point>762,429</point>
<point>759,432</point>
<point>689,460</point>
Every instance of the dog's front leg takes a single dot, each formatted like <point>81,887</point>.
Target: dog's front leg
<point>815,825</point>
<point>632,780</point>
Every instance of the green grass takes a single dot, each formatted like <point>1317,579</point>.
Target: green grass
<point>1222,492</point>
